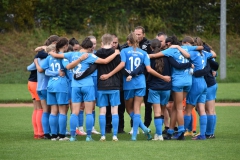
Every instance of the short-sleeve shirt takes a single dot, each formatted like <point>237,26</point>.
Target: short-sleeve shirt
<point>133,58</point>
<point>81,67</point>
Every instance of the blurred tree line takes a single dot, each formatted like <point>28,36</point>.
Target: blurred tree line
<point>171,16</point>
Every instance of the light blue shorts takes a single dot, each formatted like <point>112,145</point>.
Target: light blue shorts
<point>211,93</point>
<point>108,96</point>
<point>158,96</point>
<point>42,94</point>
<point>181,88</point>
<point>83,94</point>
<point>135,92</point>
<point>198,92</point>
<point>57,98</point>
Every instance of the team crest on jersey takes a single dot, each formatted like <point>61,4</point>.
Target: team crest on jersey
<point>144,47</point>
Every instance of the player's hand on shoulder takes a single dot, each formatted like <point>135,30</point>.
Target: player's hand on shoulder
<point>117,51</point>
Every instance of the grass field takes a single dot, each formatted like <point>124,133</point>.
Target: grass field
<point>17,141</point>
<point>227,92</point>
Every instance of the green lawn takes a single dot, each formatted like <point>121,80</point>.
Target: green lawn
<point>17,141</point>
<point>228,92</point>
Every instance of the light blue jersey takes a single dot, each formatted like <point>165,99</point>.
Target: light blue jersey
<point>42,78</point>
<point>134,58</point>
<point>95,72</point>
<point>180,77</point>
<point>199,60</point>
<point>55,83</point>
<point>81,67</point>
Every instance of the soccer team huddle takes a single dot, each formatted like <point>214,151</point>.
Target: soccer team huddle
<point>162,73</point>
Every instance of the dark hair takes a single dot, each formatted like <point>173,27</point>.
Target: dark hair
<point>73,41</point>
<point>162,34</point>
<point>60,43</point>
<point>87,43</point>
<point>156,46</point>
<point>51,39</point>
<point>132,38</point>
<point>70,48</point>
<point>140,27</point>
<point>173,40</point>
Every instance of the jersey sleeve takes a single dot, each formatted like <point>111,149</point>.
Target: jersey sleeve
<point>92,58</point>
<point>68,55</point>
<point>65,62</point>
<point>31,67</point>
<point>44,65</point>
<point>192,48</point>
<point>146,60</point>
<point>168,52</point>
<point>123,56</point>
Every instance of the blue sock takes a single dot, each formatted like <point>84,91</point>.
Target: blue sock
<point>80,119</point>
<point>170,131</point>
<point>142,126</point>
<point>187,121</point>
<point>131,115</point>
<point>158,125</point>
<point>45,122</point>
<point>93,113</point>
<point>89,124</point>
<point>136,121</point>
<point>190,124</point>
<point>102,124</point>
<point>214,124</point>
<point>115,121</point>
<point>53,123</point>
<point>203,124</point>
<point>209,129</point>
<point>181,129</point>
<point>73,124</point>
<point>62,123</point>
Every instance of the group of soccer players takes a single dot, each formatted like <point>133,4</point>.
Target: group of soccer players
<point>66,73</point>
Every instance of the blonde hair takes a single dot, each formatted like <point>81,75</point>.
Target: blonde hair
<point>132,38</point>
<point>50,48</point>
<point>107,39</point>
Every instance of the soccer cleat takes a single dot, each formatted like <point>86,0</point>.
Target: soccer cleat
<point>199,137</point>
<point>80,132</point>
<point>157,137</point>
<point>196,135</point>
<point>133,139</point>
<point>94,131</point>
<point>115,138</point>
<point>89,139</point>
<point>188,133</point>
<point>165,131</point>
<point>168,137</point>
<point>103,138</point>
<point>178,136</point>
<point>55,139</point>
<point>40,137</point>
<point>147,134</point>
<point>210,136</point>
<point>64,139</point>
<point>35,136</point>
<point>72,139</point>
<point>67,133</point>
<point>131,132</point>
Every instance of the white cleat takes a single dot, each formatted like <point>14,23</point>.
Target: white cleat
<point>103,138</point>
<point>115,138</point>
<point>94,131</point>
<point>64,139</point>
<point>157,137</point>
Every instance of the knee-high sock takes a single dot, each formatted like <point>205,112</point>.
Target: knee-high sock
<point>210,120</point>
<point>62,119</point>
<point>39,121</point>
<point>136,122</point>
<point>190,124</point>
<point>45,122</point>
<point>53,122</point>
<point>34,122</point>
<point>141,125</point>
<point>194,120</point>
<point>214,124</point>
<point>73,124</point>
<point>89,123</point>
<point>203,124</point>
<point>115,121</point>
<point>181,129</point>
<point>158,125</point>
<point>187,121</point>
<point>80,118</point>
<point>93,113</point>
<point>131,121</point>
<point>102,124</point>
